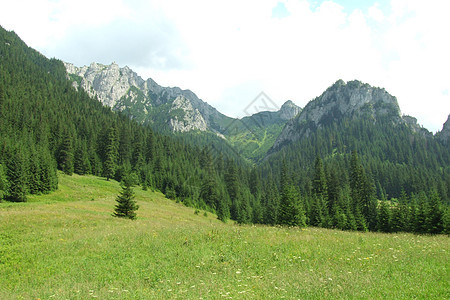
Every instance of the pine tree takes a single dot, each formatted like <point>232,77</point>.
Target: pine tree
<point>291,211</point>
<point>400,214</point>
<point>112,153</point>
<point>271,203</point>
<point>446,220</point>
<point>420,225</point>
<point>66,155</point>
<point>82,164</point>
<point>434,218</point>
<point>384,221</point>
<point>360,221</point>
<point>333,188</point>
<point>126,205</point>
<point>16,175</point>
<point>222,208</point>
<point>319,183</point>
<point>3,183</point>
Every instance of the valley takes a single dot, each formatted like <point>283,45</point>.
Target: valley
<point>66,245</point>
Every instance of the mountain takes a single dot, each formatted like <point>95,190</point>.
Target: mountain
<point>171,109</point>
<point>342,153</point>
<point>146,101</point>
<point>350,100</point>
<point>354,116</point>
<point>254,135</point>
<point>46,125</point>
<point>444,134</point>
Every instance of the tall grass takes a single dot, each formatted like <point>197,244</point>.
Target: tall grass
<point>66,245</point>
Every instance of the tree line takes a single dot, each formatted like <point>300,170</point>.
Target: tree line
<point>46,125</point>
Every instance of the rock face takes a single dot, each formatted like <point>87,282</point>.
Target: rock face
<point>444,134</point>
<point>289,110</point>
<point>123,90</point>
<point>351,100</point>
<point>187,118</point>
<point>165,107</point>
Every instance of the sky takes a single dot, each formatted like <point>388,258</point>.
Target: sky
<point>228,52</point>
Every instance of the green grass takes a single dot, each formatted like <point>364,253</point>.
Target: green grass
<point>66,245</point>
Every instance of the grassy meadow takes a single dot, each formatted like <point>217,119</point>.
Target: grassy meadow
<point>66,245</point>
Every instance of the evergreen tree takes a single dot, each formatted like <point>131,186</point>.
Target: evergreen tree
<point>333,188</point>
<point>66,155</point>
<point>234,191</point>
<point>48,173</point>
<point>111,153</point>
<point>126,205</point>
<point>360,221</point>
<point>384,221</point>
<point>34,173</point>
<point>82,164</point>
<point>319,183</point>
<point>400,214</point>
<point>222,208</point>
<point>291,212</point>
<point>434,218</point>
<point>270,214</point>
<point>420,225</point>
<point>446,220</point>
<point>3,183</point>
<point>16,174</point>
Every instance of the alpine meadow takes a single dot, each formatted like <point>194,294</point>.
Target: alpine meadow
<point>115,187</point>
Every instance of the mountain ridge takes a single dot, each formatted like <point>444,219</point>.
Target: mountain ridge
<point>175,110</point>
<point>352,99</point>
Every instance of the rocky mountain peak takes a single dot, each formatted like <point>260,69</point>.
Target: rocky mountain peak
<point>353,99</point>
<point>289,110</point>
<point>123,90</point>
<point>185,117</point>
<point>444,134</point>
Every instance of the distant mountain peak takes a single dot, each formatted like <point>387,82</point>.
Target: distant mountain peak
<point>352,99</point>
<point>289,110</point>
<point>144,100</point>
<point>444,134</point>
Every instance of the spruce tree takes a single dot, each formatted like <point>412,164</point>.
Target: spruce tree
<point>270,214</point>
<point>126,205</point>
<point>222,208</point>
<point>112,153</point>
<point>3,182</point>
<point>16,172</point>
<point>291,211</point>
<point>66,155</point>
<point>434,218</point>
<point>384,220</point>
<point>319,183</point>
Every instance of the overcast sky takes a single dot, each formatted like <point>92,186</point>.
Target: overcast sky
<point>228,52</point>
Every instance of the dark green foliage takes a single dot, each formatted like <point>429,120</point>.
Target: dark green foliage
<point>111,153</point>
<point>384,217</point>
<point>3,182</point>
<point>319,183</point>
<point>82,165</point>
<point>290,211</point>
<point>434,219</point>
<point>17,175</point>
<point>45,125</point>
<point>66,155</point>
<point>126,205</point>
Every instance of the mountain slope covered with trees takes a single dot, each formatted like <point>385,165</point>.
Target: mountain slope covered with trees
<point>348,160</point>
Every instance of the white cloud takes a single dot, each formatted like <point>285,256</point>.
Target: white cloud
<point>227,52</point>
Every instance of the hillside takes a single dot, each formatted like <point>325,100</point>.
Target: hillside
<point>173,110</point>
<point>354,116</point>
<point>335,175</point>
<point>67,245</point>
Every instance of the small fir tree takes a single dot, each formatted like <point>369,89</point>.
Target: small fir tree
<point>126,205</point>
